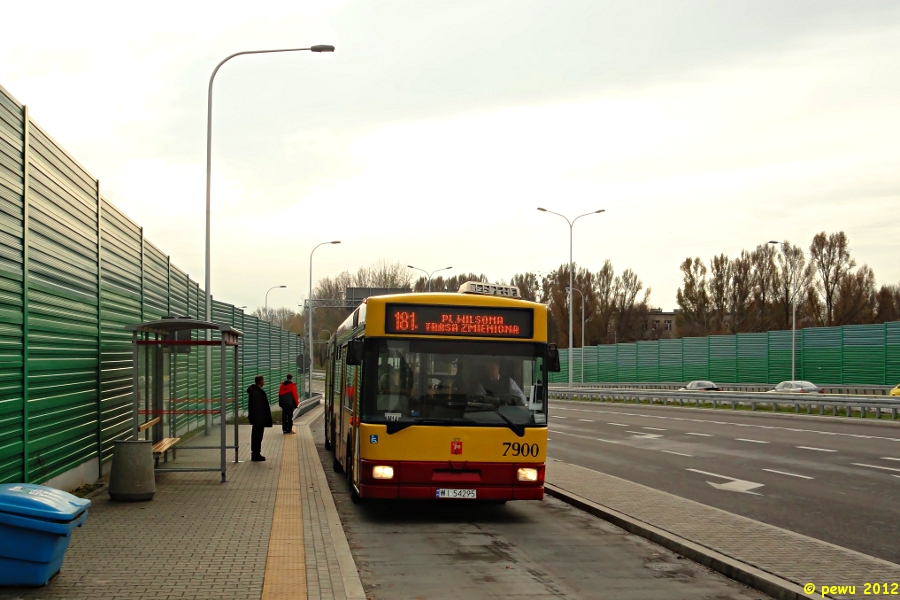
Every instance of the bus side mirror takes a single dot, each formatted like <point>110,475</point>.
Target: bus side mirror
<point>355,352</point>
<point>553,358</point>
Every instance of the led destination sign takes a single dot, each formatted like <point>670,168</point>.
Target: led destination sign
<point>474,321</point>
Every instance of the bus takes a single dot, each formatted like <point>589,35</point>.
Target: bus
<point>441,396</point>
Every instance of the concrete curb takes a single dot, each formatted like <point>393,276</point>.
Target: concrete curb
<point>353,587</point>
<point>760,580</point>
<point>748,413</point>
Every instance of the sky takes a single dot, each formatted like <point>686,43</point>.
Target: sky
<point>434,131</point>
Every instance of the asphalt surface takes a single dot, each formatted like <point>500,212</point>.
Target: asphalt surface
<point>833,479</point>
<point>459,549</point>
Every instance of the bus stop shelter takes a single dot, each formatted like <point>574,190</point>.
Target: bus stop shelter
<point>155,345</point>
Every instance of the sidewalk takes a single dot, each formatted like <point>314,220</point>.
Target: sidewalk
<point>268,532</point>
<point>658,515</point>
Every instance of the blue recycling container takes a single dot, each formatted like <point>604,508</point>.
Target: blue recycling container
<point>36,524</point>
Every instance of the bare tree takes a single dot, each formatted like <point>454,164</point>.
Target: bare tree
<point>604,302</point>
<point>887,304</point>
<point>765,284</point>
<point>529,285</point>
<point>693,299</point>
<point>793,281</point>
<point>830,256</point>
<point>856,297</point>
<point>719,287</point>
<point>383,274</point>
<point>630,308</point>
<point>741,290</point>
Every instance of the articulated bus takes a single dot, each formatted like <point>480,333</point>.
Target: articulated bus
<point>441,395</point>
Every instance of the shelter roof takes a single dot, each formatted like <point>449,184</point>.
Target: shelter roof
<point>173,324</point>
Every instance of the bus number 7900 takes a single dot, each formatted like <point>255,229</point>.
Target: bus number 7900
<point>521,449</point>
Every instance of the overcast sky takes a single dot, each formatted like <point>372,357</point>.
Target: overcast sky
<point>435,130</point>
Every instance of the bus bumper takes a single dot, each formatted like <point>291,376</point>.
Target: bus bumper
<point>422,480</point>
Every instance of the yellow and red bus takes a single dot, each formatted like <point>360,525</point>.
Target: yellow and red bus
<point>441,395</point>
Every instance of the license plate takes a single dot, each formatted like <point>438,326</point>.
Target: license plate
<point>445,493</point>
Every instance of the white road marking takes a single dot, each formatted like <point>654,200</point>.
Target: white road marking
<point>733,485</point>
<point>646,416</point>
<point>678,453</point>
<point>584,437</point>
<point>753,441</point>
<point>876,467</point>
<point>700,434</point>
<point>713,474</point>
<point>786,473</point>
<point>653,428</point>
<point>889,458</point>
<point>617,424</point>
<point>645,435</point>
<point>558,417</point>
<point>586,420</point>
<point>816,449</point>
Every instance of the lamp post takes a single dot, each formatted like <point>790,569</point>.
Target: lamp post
<point>571,281</point>
<point>427,274</point>
<point>274,287</point>
<point>309,379</point>
<point>209,99</point>
<point>582,330</point>
<point>793,310</point>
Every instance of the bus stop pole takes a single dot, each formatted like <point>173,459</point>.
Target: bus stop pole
<point>135,383</point>
<point>237,405</point>
<point>223,383</point>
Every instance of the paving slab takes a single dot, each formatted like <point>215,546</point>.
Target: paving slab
<point>796,558</point>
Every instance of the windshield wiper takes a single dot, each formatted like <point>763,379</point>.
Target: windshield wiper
<point>518,429</point>
<point>395,426</point>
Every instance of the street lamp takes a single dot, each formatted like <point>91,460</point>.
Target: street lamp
<point>582,330</point>
<point>427,274</point>
<point>209,99</point>
<point>793,310</point>
<point>571,267</point>
<point>310,351</point>
<point>274,287</point>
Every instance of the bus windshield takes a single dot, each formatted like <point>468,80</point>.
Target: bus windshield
<point>456,383</point>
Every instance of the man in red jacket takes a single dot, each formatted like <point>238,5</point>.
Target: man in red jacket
<point>288,400</point>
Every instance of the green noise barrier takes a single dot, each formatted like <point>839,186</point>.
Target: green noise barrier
<point>74,271</point>
<point>852,355</point>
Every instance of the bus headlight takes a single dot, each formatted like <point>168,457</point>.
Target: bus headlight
<point>525,474</point>
<point>382,472</point>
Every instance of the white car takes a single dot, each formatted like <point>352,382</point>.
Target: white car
<point>797,387</point>
<point>700,386</point>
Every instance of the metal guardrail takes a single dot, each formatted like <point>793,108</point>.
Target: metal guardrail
<point>307,405</point>
<point>852,390</point>
<point>864,405</point>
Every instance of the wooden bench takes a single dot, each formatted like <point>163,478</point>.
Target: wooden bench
<point>148,424</point>
<point>162,447</point>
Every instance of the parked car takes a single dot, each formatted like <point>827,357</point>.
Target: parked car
<point>895,391</point>
<point>797,387</point>
<point>701,386</point>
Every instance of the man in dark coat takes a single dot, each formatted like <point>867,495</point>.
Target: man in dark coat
<point>260,416</point>
<point>288,400</point>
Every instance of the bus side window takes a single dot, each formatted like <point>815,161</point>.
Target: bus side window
<point>349,384</point>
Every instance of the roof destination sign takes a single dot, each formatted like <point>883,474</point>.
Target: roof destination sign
<point>490,289</point>
<point>470,321</point>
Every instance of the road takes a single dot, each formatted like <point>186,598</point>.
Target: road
<point>459,549</point>
<point>831,479</point>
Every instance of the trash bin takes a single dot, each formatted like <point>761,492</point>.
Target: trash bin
<point>36,524</point>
